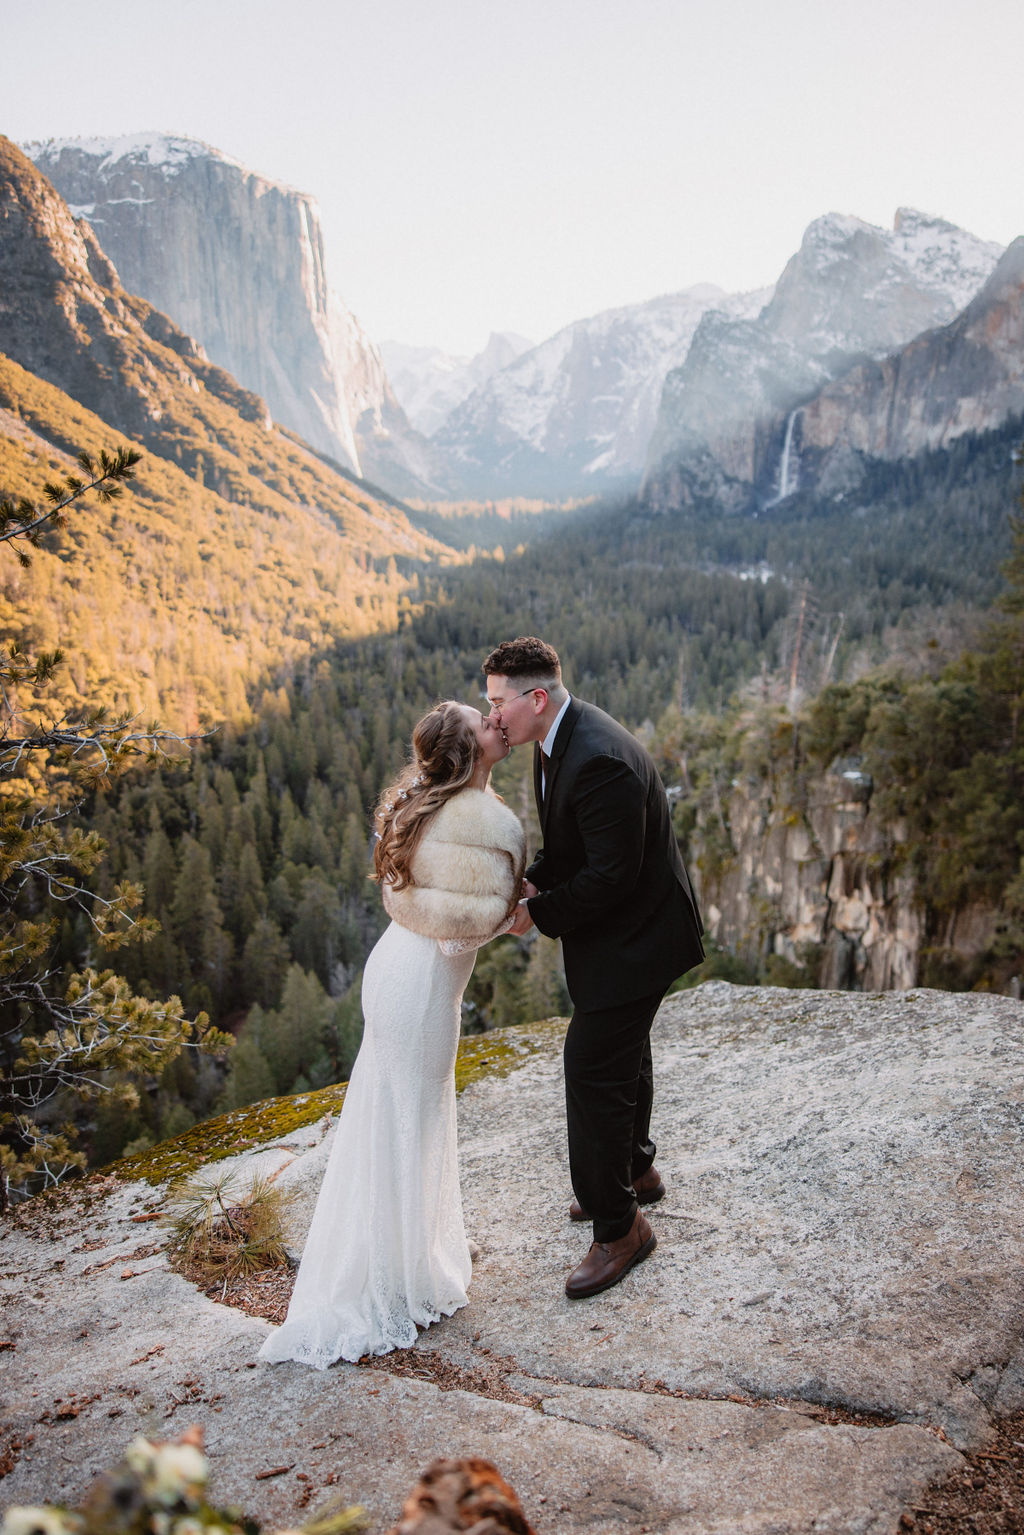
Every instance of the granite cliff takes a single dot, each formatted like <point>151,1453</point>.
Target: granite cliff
<point>238,262</point>
<point>725,426</point>
<point>237,549</point>
<point>964,377</point>
<point>815,877</point>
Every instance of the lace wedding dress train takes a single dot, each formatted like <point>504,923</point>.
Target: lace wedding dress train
<point>387,1249</point>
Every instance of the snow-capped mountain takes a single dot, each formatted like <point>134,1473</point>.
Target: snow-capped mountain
<point>430,383</point>
<point>967,376</point>
<point>575,414</point>
<point>853,290</point>
<point>238,262</point>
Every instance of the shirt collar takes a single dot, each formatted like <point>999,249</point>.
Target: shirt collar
<point>548,743</point>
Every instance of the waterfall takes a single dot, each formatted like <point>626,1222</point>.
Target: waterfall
<point>789,477</point>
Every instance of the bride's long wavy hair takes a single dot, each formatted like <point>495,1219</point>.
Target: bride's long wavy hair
<point>445,755</point>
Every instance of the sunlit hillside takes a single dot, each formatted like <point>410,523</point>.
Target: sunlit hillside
<point>175,600</point>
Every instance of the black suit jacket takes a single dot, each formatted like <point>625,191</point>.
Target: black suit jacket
<point>612,883</point>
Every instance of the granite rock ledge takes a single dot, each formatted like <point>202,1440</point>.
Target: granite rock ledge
<point>841,1229</point>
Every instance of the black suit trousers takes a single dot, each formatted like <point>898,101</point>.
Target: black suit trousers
<point>609,1089</point>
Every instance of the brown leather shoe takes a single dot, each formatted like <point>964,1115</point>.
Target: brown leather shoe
<point>607,1262</point>
<point>648,1189</point>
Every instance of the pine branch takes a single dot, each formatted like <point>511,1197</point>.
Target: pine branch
<point>22,519</point>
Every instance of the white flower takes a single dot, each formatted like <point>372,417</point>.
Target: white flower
<point>179,1471</point>
<point>140,1455</point>
<point>37,1521</point>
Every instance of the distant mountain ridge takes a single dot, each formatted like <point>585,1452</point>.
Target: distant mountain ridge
<point>699,395</point>
<point>960,378</point>
<point>575,414</point>
<point>238,262</point>
<point>852,291</point>
<point>430,383</point>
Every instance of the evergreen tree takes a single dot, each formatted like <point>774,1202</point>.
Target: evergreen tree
<point>265,960</point>
<point>65,1034</point>
<point>249,1079</point>
<point>292,1036</point>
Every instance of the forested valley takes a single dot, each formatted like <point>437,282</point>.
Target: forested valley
<point>254,852</point>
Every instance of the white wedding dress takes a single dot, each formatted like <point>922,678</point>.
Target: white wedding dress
<point>387,1250</point>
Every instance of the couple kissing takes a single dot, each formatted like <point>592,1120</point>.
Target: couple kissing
<point>387,1251</point>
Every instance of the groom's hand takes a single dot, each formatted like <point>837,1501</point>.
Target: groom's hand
<point>523,921</point>
<point>529,890</point>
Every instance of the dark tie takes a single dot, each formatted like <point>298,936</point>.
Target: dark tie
<point>546,763</point>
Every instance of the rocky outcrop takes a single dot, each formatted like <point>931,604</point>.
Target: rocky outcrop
<point>840,1237</point>
<point>575,414</point>
<point>725,426</point>
<point>963,377</point>
<point>820,885</point>
<point>238,262</point>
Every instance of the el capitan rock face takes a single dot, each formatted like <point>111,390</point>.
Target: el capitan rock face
<point>852,292</point>
<point>238,262</point>
<point>66,318</point>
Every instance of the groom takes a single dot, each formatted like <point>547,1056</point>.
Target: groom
<point>610,883</point>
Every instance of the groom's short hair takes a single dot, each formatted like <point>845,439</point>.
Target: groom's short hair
<point>525,659</point>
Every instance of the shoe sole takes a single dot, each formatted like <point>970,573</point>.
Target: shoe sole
<point>638,1257</point>
<point>651,1197</point>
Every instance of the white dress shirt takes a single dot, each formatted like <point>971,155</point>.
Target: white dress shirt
<point>547,745</point>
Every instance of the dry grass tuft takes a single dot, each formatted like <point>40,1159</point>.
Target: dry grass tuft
<point>223,1230</point>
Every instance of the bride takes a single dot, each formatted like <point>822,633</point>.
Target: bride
<point>387,1251</point>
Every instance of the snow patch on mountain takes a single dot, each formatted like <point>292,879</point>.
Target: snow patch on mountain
<point>429,383</point>
<point>167,152</point>
<point>955,263</point>
<point>852,291</point>
<point>576,412</point>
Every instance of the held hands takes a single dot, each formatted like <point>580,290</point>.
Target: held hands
<point>523,922</point>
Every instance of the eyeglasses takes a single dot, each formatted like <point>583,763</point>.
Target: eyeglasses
<point>496,705</point>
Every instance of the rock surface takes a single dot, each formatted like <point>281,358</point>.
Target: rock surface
<point>841,1228</point>
<point>816,869</point>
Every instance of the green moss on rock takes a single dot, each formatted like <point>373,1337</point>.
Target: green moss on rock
<point>480,1055</point>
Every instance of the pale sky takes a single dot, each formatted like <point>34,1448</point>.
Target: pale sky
<point>518,164</point>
